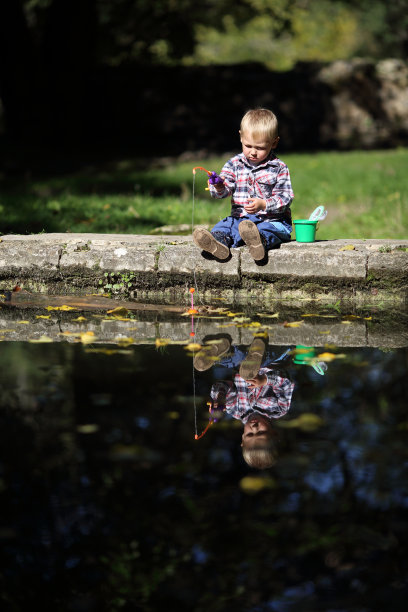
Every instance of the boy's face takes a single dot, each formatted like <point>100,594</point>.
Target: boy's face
<point>256,149</point>
<point>257,431</point>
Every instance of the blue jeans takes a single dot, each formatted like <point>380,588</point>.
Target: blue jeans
<point>273,232</point>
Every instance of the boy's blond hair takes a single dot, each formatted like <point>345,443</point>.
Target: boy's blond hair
<point>260,457</point>
<point>260,123</point>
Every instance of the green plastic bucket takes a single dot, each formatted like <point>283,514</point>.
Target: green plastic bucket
<point>305,230</point>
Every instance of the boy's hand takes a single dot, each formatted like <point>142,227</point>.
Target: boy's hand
<point>258,381</point>
<point>215,179</point>
<point>255,204</point>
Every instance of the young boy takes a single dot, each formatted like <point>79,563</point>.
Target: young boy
<point>261,193</point>
<point>258,393</point>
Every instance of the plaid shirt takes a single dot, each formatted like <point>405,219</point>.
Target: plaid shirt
<point>269,181</point>
<point>271,400</point>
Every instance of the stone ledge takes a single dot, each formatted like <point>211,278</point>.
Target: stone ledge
<point>373,270</point>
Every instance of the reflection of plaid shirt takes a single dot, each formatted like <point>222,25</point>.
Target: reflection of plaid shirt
<point>269,181</point>
<point>271,400</point>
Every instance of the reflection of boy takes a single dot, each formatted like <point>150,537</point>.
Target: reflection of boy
<point>258,392</point>
<point>256,402</point>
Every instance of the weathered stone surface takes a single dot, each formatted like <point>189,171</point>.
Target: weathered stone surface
<point>359,270</point>
<point>388,262</point>
<point>111,256</point>
<point>176,260</point>
<point>309,261</point>
<point>34,257</point>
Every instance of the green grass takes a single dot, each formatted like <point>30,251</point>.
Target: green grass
<point>365,193</point>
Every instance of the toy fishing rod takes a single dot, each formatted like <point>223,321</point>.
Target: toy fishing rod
<point>213,177</point>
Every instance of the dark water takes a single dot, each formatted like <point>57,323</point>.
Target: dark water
<point>109,503</point>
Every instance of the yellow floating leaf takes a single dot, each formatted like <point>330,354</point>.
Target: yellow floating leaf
<point>40,340</point>
<point>329,356</point>
<point>254,484</point>
<point>162,342</point>
<point>119,311</point>
<point>253,324</point>
<point>87,428</point>
<point>346,322</point>
<point>348,247</point>
<point>268,316</point>
<point>324,332</point>
<point>241,319</point>
<point>43,316</point>
<point>193,346</point>
<point>105,351</point>
<point>63,307</point>
<point>234,314</point>
<point>23,322</point>
<point>306,421</point>
<point>87,337</point>
<point>79,320</point>
<point>261,334</point>
<point>293,324</point>
<point>124,341</point>
<point>368,318</point>
<point>219,309</point>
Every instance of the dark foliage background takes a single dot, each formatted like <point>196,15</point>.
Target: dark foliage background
<point>99,78</point>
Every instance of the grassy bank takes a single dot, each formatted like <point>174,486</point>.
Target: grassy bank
<point>365,193</point>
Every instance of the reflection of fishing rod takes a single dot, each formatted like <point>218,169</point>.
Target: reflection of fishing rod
<point>210,422</point>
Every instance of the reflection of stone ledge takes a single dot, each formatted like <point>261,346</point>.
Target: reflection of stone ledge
<point>160,268</point>
<point>312,331</point>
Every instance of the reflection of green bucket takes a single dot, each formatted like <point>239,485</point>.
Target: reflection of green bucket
<point>305,230</point>
<point>304,354</point>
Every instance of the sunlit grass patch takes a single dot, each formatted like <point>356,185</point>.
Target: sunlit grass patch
<point>365,193</point>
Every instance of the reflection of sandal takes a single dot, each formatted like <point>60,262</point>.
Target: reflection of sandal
<point>252,238</point>
<point>206,241</point>
<point>251,365</point>
<point>210,353</point>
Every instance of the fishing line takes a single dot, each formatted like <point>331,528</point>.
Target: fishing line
<point>194,311</point>
<point>192,290</point>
